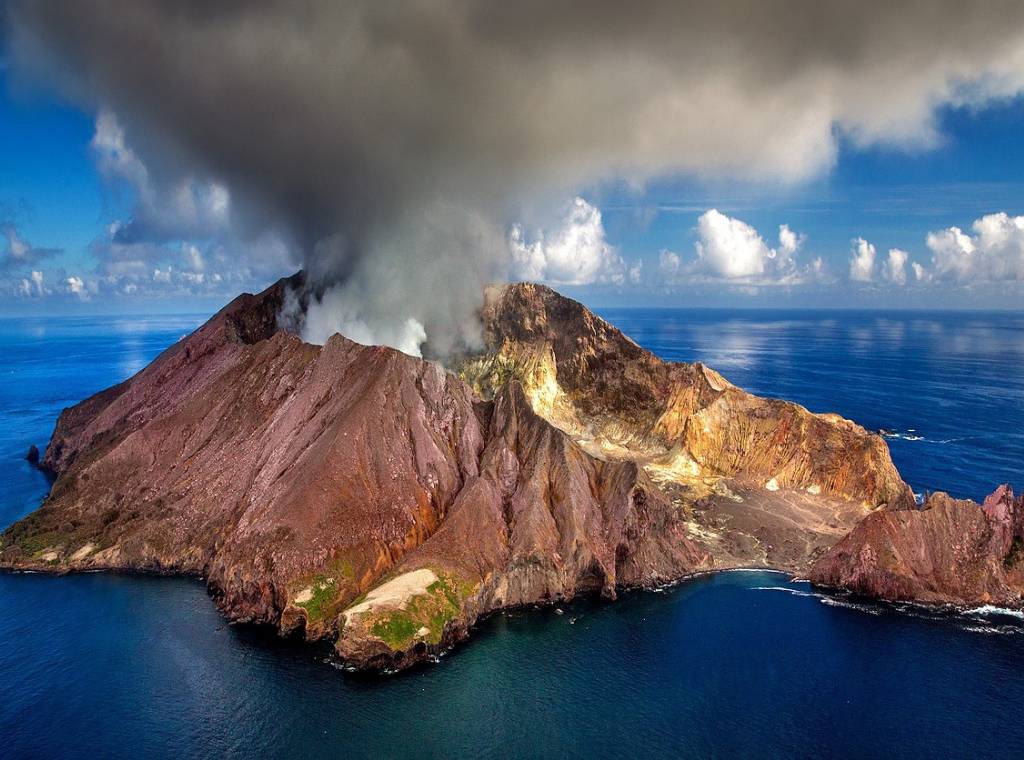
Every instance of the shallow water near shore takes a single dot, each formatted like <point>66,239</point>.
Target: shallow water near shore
<point>741,663</point>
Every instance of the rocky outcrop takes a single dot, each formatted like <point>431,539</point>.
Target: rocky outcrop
<point>762,482</point>
<point>950,551</point>
<point>359,494</point>
<point>622,402</point>
<point>539,521</point>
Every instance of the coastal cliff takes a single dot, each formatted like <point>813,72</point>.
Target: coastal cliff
<point>950,551</point>
<point>361,495</point>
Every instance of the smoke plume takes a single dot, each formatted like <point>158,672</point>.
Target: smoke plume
<point>391,144</point>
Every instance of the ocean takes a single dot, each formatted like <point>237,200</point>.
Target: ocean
<point>734,664</point>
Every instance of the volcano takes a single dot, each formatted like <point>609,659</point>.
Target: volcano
<point>384,502</point>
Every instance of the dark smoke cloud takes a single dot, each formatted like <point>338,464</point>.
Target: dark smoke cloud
<point>390,142</point>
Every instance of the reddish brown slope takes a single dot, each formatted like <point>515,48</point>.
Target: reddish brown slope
<point>542,521</point>
<point>950,551</point>
<point>255,458</point>
<point>299,478</point>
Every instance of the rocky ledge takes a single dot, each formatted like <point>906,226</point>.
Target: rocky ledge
<point>361,495</point>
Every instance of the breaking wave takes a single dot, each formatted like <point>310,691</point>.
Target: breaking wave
<point>832,601</point>
<point>1002,630</point>
<point>825,599</point>
<point>983,619</point>
<point>793,591</point>
<point>911,434</point>
<point>989,610</point>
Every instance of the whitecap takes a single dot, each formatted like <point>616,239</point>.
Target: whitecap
<point>793,591</point>
<point>986,610</point>
<point>833,602</point>
<point>1001,629</point>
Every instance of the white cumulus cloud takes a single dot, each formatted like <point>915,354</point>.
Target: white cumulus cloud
<point>76,286</point>
<point>669,264</point>
<point>730,248</point>
<point>994,253</point>
<point>896,267</point>
<point>636,272</point>
<point>34,285</point>
<point>862,263</point>
<point>731,251</point>
<point>577,253</point>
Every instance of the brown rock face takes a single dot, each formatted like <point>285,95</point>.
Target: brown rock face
<point>762,482</point>
<point>623,402</point>
<point>361,494</point>
<point>949,551</point>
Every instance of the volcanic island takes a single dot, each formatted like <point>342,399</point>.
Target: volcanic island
<point>386,503</point>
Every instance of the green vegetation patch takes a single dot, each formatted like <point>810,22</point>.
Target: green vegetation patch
<point>324,595</point>
<point>31,544</point>
<point>433,610</point>
<point>329,589</point>
<point>397,630</point>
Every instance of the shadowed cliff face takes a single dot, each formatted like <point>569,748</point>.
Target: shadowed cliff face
<point>358,493</point>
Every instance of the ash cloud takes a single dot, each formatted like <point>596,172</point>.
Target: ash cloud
<point>391,144</point>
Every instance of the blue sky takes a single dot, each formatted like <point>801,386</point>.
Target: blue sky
<point>47,177</point>
<point>54,194</point>
<point>889,196</point>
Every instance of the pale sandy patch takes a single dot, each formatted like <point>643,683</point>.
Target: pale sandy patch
<point>695,530</point>
<point>396,592</point>
<point>50,556</point>
<point>677,466</point>
<point>304,596</point>
<point>84,552</point>
<point>715,380</point>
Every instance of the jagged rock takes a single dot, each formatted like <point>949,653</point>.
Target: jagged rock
<point>32,455</point>
<point>764,482</point>
<point>950,551</point>
<point>623,402</point>
<point>357,493</point>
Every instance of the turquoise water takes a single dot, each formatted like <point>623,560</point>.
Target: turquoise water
<point>735,664</point>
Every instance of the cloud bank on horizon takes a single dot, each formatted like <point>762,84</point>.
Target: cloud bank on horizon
<point>406,153</point>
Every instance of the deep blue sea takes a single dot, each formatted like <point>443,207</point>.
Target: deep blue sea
<point>734,664</point>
